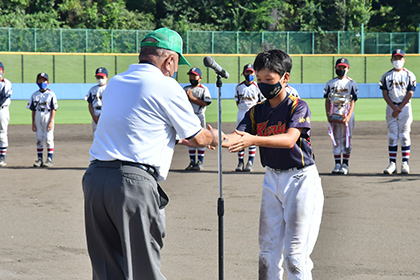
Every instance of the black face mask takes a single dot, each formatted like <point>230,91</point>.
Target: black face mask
<point>270,91</point>
<point>340,73</point>
<point>194,82</point>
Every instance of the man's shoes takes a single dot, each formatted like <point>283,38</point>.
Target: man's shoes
<point>240,167</point>
<point>249,167</point>
<point>405,169</point>
<point>190,166</point>
<point>48,163</point>
<point>344,169</point>
<point>38,163</point>
<point>336,169</point>
<point>391,169</point>
<point>2,162</point>
<point>198,166</point>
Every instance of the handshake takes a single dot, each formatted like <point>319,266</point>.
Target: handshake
<point>209,138</point>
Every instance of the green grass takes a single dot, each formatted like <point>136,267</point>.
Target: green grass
<point>76,111</point>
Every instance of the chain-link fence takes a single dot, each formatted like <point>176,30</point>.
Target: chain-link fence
<point>211,42</point>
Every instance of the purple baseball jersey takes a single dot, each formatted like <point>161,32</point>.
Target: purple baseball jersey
<point>262,120</point>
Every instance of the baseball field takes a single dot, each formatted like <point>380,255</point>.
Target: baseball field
<point>369,230</point>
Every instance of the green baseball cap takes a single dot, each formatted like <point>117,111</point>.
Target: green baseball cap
<point>166,39</point>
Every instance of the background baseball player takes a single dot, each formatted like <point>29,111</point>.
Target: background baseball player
<point>398,86</point>
<point>341,131</point>
<point>200,98</point>
<point>292,198</point>
<point>247,95</point>
<point>5,93</point>
<point>292,91</point>
<point>94,96</point>
<point>43,104</point>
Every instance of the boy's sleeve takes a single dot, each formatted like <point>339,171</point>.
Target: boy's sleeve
<point>31,105</point>
<point>300,115</point>
<point>412,82</point>
<point>354,91</point>
<point>89,96</point>
<point>206,96</point>
<point>382,83</point>
<point>54,103</point>
<point>248,123</point>
<point>326,90</point>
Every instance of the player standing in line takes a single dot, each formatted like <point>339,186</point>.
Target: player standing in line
<point>292,196</point>
<point>292,91</point>
<point>398,86</point>
<point>200,98</point>
<point>43,104</point>
<point>247,95</point>
<point>5,93</point>
<point>340,131</point>
<point>94,97</point>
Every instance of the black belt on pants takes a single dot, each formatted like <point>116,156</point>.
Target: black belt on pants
<point>98,108</point>
<point>164,199</point>
<point>148,168</point>
<point>43,110</point>
<point>398,104</point>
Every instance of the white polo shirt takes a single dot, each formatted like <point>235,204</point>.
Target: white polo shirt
<point>142,112</point>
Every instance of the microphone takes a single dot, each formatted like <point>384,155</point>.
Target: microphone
<point>209,62</point>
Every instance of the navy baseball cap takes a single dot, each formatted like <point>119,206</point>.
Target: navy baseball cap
<point>195,71</point>
<point>101,71</point>
<point>398,52</point>
<point>342,61</point>
<point>1,66</point>
<point>247,67</point>
<point>43,74</point>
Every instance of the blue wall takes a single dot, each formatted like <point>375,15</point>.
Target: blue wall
<point>79,91</point>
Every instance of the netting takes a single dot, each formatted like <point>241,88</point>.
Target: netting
<point>211,42</point>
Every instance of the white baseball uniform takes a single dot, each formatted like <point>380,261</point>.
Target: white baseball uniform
<point>398,83</point>
<point>341,133</point>
<point>43,103</point>
<point>292,91</point>
<point>201,92</point>
<point>5,93</point>
<point>247,97</point>
<point>94,97</point>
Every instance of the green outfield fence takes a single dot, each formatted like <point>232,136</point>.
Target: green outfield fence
<point>211,42</point>
<point>23,67</point>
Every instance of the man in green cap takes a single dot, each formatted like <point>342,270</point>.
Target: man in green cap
<point>143,110</point>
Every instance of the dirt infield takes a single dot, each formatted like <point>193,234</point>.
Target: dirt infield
<point>370,226</point>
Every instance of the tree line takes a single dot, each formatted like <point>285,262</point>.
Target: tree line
<point>218,15</point>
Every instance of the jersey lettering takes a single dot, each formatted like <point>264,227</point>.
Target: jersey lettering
<point>263,130</point>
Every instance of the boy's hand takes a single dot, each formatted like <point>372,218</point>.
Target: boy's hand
<point>243,142</point>
<point>189,93</point>
<point>50,126</point>
<point>396,111</point>
<point>33,127</point>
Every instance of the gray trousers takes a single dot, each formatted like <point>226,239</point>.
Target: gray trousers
<point>124,223</point>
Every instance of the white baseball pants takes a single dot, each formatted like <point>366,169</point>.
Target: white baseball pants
<point>340,134</point>
<point>42,134</point>
<point>399,128</point>
<point>291,211</point>
<point>94,124</point>
<point>4,123</point>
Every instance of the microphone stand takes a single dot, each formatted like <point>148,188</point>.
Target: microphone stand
<point>220,201</point>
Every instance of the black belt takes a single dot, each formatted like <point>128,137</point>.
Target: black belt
<point>289,169</point>
<point>43,110</point>
<point>148,168</point>
<point>98,108</point>
<point>3,106</point>
<point>398,104</point>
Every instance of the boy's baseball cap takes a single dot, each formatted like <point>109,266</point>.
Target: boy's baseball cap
<point>247,67</point>
<point>342,61</point>
<point>398,52</point>
<point>43,74</point>
<point>1,66</point>
<point>166,39</point>
<point>101,71</point>
<point>195,71</point>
